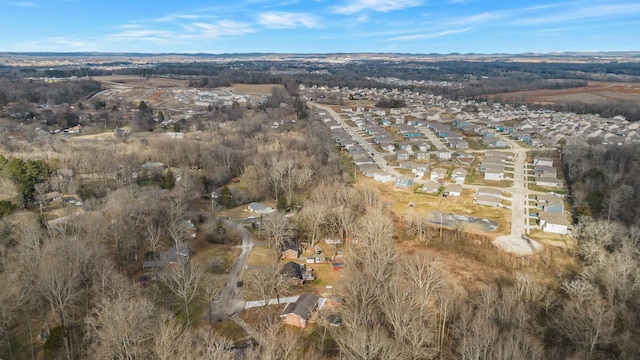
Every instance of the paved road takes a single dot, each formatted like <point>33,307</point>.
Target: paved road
<point>378,157</point>
<point>516,242</point>
<point>230,301</point>
<point>433,138</point>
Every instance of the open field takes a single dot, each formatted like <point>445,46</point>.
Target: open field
<point>595,93</point>
<point>139,81</point>
<point>423,204</point>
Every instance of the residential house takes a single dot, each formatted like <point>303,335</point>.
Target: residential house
<point>458,175</point>
<point>493,172</point>
<point>422,155</point>
<point>431,187</point>
<point>297,313</point>
<point>291,273</point>
<point>458,144</point>
<point>542,161</point>
<point>296,274</point>
<point>368,170</point>
<point>453,190</point>
<point>549,182</point>
<point>491,140</point>
<point>404,181</point>
<point>552,222</point>
<point>486,200</point>
<point>443,154</point>
<point>495,193</point>
<point>545,171</point>
<point>289,250</point>
<point>438,174</point>
<point>382,176</point>
<point>259,208</point>
<point>408,165</point>
<point>175,255</point>
<point>550,203</point>
<point>391,147</point>
<point>420,170</point>
<point>402,155</point>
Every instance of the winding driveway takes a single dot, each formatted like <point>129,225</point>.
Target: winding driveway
<point>231,302</point>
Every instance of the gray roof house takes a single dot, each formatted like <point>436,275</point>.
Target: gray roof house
<point>260,208</point>
<point>175,255</point>
<point>486,200</point>
<point>431,187</point>
<point>495,193</point>
<point>404,181</point>
<point>298,313</point>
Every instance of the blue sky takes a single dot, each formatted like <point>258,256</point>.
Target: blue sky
<point>319,26</point>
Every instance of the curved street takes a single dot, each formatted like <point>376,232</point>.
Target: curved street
<point>231,301</point>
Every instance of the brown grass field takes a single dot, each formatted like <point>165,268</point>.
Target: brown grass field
<point>594,93</point>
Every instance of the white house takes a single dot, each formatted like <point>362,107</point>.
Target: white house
<point>486,200</point>
<point>438,174</point>
<point>495,193</point>
<point>431,187</point>
<point>453,190</point>
<point>494,173</point>
<point>458,175</point>
<point>542,161</point>
<point>552,222</point>
<point>260,208</point>
<point>382,176</point>
<point>443,154</point>
<point>549,182</point>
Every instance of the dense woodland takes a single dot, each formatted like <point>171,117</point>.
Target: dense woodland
<point>604,181</point>
<point>402,296</point>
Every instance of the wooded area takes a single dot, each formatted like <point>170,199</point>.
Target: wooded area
<point>73,289</point>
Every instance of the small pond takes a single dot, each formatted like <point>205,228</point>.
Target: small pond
<point>470,223</point>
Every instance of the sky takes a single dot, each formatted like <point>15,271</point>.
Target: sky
<point>319,26</point>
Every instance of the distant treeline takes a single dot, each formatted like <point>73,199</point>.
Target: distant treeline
<point>477,79</point>
<point>39,92</point>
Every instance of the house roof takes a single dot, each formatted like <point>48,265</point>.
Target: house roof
<point>289,245</point>
<point>291,270</point>
<point>457,188</point>
<point>431,185</point>
<point>303,307</point>
<point>487,199</point>
<point>488,192</point>
<point>260,208</point>
<point>174,255</point>
<point>554,218</point>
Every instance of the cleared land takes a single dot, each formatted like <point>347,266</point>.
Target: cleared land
<point>595,93</point>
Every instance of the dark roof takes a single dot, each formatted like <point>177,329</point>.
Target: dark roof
<point>304,306</point>
<point>172,256</point>
<point>290,245</point>
<point>291,270</point>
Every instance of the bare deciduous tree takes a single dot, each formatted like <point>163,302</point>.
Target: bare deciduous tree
<point>184,282</point>
<point>266,282</point>
<point>123,328</point>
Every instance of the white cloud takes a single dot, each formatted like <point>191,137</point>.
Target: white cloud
<point>582,13</point>
<point>174,17</point>
<point>222,28</point>
<point>357,6</point>
<point>429,35</point>
<point>287,20</point>
<point>73,44</point>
